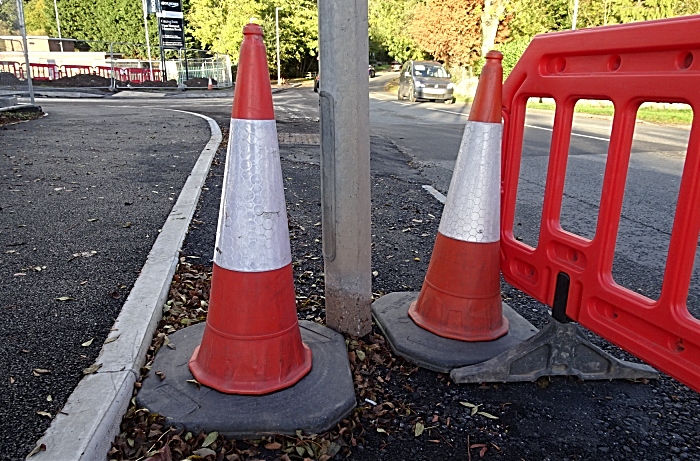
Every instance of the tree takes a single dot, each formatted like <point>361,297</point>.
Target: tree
<point>37,16</point>
<point>218,24</point>
<point>9,24</point>
<point>450,31</point>
<point>387,27</point>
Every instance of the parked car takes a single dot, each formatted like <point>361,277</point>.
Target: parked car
<point>395,66</point>
<point>425,80</point>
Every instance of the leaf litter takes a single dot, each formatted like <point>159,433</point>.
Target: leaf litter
<point>373,367</point>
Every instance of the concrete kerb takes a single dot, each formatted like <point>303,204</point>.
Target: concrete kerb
<point>87,424</point>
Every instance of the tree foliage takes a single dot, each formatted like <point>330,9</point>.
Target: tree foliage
<point>9,24</point>
<point>387,27</point>
<point>218,24</point>
<point>450,31</point>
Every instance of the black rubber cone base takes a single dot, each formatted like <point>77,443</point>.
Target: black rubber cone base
<point>435,352</point>
<point>315,404</point>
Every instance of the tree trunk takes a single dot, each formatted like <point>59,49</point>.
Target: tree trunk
<point>490,19</point>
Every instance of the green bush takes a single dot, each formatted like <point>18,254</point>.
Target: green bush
<point>512,51</point>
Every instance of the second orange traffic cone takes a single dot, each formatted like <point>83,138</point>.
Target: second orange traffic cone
<point>210,85</point>
<point>252,342</point>
<point>461,297</point>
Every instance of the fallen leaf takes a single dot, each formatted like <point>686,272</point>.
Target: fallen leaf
<point>204,452</point>
<point>195,382</point>
<point>49,398</point>
<point>36,450</point>
<point>44,413</point>
<point>12,380</point>
<point>418,430</point>
<point>112,339</point>
<point>161,375</point>
<point>487,415</point>
<point>65,298</point>
<point>360,355</point>
<point>273,446</point>
<point>92,369</point>
<point>93,219</point>
<point>87,343</point>
<point>211,438</point>
<point>379,429</point>
<point>41,371</point>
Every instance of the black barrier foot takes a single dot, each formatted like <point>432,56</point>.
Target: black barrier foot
<point>313,405</point>
<point>559,349</point>
<point>434,352</point>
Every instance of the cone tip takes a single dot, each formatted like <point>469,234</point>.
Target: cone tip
<point>252,29</point>
<point>493,54</point>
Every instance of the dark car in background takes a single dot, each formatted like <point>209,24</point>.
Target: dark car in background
<point>425,80</point>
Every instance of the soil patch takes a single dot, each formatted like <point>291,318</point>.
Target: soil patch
<point>10,118</point>
<point>199,82</point>
<point>76,81</point>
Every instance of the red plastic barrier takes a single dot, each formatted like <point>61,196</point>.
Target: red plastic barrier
<point>627,64</point>
<point>12,67</point>
<point>105,71</point>
<point>69,70</point>
<point>45,71</point>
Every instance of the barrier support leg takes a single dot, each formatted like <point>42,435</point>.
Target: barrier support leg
<point>559,349</point>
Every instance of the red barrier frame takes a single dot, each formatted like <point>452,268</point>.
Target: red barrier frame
<point>44,71</point>
<point>12,67</point>
<point>70,70</point>
<point>628,64</point>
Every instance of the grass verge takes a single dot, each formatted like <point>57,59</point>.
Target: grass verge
<point>647,114</point>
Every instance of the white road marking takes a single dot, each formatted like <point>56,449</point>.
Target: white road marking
<point>435,193</point>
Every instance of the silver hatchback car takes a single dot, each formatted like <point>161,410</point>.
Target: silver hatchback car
<point>425,80</point>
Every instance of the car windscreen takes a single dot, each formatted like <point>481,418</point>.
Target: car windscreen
<point>423,70</point>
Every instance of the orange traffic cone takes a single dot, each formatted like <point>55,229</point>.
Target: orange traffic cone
<point>210,85</point>
<point>251,342</point>
<point>461,296</point>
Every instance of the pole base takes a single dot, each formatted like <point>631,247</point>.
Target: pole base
<point>313,405</point>
<point>559,349</point>
<point>434,352</point>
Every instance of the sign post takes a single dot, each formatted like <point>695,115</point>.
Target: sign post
<point>149,7</point>
<point>171,28</point>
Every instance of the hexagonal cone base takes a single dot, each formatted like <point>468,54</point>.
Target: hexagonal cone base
<point>461,295</point>
<point>315,404</point>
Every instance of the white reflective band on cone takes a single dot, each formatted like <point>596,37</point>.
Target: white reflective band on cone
<point>252,235</point>
<point>473,207</point>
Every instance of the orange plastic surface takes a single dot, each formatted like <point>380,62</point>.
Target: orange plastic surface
<point>628,65</point>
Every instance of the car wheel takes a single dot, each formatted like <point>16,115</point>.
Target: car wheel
<point>412,93</point>
<point>450,101</point>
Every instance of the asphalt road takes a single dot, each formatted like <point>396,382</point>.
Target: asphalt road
<point>84,192</point>
<point>426,133</point>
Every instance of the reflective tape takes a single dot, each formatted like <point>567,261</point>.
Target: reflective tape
<point>473,207</point>
<point>252,235</point>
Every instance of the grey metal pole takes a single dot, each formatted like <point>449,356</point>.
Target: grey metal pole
<point>277,31</point>
<point>23,30</point>
<point>58,24</point>
<point>345,175</point>
<point>148,39</point>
